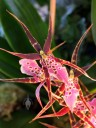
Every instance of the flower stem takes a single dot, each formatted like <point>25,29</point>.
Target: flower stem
<point>53,14</point>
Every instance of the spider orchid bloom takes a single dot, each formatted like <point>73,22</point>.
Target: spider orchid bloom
<point>48,61</point>
<point>71,93</point>
<point>79,107</point>
<point>74,102</point>
<point>31,68</point>
<point>49,65</point>
<point>74,90</point>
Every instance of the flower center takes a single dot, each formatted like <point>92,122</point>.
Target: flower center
<point>43,54</point>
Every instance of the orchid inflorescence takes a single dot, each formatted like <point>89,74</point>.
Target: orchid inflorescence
<point>51,71</point>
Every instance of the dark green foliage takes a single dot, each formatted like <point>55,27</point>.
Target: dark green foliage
<point>14,39</point>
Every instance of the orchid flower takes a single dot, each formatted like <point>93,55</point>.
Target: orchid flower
<point>48,69</point>
<point>73,99</point>
<point>50,65</point>
<point>72,102</point>
<point>52,69</point>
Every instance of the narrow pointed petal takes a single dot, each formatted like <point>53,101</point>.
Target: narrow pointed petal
<point>60,113</point>
<point>37,93</point>
<point>85,68</point>
<point>48,125</point>
<point>32,40</point>
<point>47,44</point>
<point>52,50</point>
<point>33,56</point>
<point>54,96</point>
<point>48,83</point>
<point>20,80</point>
<point>75,67</point>
<point>58,92</point>
<point>48,105</point>
<point>75,52</point>
<point>86,119</point>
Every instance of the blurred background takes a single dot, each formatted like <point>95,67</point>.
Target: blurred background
<point>72,19</point>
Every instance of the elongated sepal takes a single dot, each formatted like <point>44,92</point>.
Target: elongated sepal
<point>60,113</point>
<point>56,47</point>
<point>37,93</point>
<point>47,44</point>
<point>48,125</point>
<point>75,52</point>
<point>85,68</point>
<point>48,105</point>
<point>48,82</point>
<point>33,56</point>
<point>58,92</point>
<point>74,66</point>
<point>32,40</point>
<point>20,80</point>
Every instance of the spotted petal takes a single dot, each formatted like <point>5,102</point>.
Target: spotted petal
<point>93,105</point>
<point>31,68</point>
<point>71,94</point>
<point>57,70</point>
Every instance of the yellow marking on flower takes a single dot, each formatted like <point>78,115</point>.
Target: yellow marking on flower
<point>71,74</point>
<point>43,54</point>
<point>42,77</point>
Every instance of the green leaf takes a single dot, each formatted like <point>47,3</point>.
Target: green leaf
<point>93,19</point>
<point>9,65</point>
<point>14,34</point>
<point>43,2</point>
<point>8,58</point>
<point>9,70</point>
<point>20,120</point>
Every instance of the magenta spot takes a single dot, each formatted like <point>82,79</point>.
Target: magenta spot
<point>30,67</point>
<point>92,107</point>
